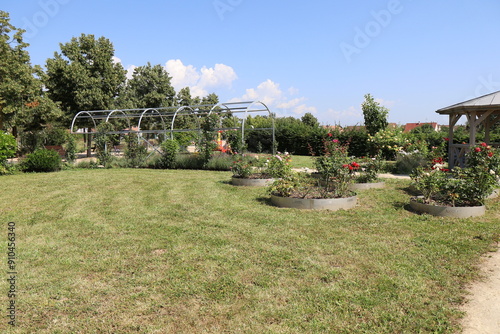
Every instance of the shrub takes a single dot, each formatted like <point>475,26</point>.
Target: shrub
<point>135,153</point>
<point>335,169</point>
<point>70,148</point>
<point>234,140</point>
<point>42,160</point>
<point>103,142</point>
<point>242,166</point>
<point>55,136</point>
<point>8,147</point>
<point>208,137</point>
<point>388,142</point>
<point>220,161</point>
<point>279,165</point>
<point>407,162</point>
<point>189,161</point>
<point>462,186</point>
<point>370,169</point>
<point>357,141</point>
<point>87,164</point>
<point>170,148</point>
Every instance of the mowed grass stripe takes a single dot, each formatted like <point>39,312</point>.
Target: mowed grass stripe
<point>160,251</point>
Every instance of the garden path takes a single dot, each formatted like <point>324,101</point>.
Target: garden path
<point>483,306</point>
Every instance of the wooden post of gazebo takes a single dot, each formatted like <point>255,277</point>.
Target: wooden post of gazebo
<point>481,111</point>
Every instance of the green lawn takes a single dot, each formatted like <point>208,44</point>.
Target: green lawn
<point>154,251</point>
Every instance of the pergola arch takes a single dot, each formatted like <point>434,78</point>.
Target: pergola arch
<point>175,116</point>
<point>134,118</point>
<point>483,111</point>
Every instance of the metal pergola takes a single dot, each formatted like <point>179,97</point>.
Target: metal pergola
<point>162,120</point>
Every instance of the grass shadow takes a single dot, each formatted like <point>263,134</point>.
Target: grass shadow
<point>410,190</point>
<point>402,205</point>
<point>264,200</point>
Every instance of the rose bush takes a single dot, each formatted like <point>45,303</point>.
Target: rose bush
<point>467,186</point>
<point>336,173</point>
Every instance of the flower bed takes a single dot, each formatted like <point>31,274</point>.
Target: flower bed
<point>332,204</point>
<point>255,180</point>
<point>418,205</point>
<point>460,187</point>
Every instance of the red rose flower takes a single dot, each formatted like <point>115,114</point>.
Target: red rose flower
<point>490,154</point>
<point>330,135</point>
<point>484,144</point>
<point>477,149</point>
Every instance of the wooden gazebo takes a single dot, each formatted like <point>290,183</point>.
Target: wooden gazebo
<point>482,113</point>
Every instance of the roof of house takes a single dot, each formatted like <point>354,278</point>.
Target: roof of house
<point>410,126</point>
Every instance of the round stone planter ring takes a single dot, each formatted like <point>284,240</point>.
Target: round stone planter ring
<point>238,181</point>
<point>332,204</point>
<point>447,211</point>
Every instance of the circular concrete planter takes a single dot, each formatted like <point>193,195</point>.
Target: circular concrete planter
<point>364,186</point>
<point>238,181</point>
<point>332,204</point>
<point>494,194</point>
<point>447,211</point>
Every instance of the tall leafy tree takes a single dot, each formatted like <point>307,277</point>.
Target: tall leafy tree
<point>84,75</point>
<point>20,86</point>
<point>374,114</point>
<point>184,97</point>
<point>150,87</point>
<point>310,120</point>
<point>210,99</point>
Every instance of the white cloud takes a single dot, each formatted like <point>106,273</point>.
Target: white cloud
<point>283,103</point>
<point>199,81</point>
<point>267,92</point>
<point>291,103</point>
<point>349,116</point>
<point>385,103</point>
<point>293,91</point>
<point>302,109</point>
<point>220,75</point>
<point>182,75</point>
<point>130,71</point>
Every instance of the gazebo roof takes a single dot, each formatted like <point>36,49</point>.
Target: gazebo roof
<point>486,102</point>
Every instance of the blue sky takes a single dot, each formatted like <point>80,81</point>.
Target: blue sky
<point>313,56</point>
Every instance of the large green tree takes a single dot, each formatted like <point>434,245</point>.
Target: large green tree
<point>150,87</point>
<point>374,114</point>
<point>84,75</point>
<point>184,97</point>
<point>22,101</point>
<point>310,120</point>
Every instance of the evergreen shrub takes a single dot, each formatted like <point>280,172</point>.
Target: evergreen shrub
<point>42,160</point>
